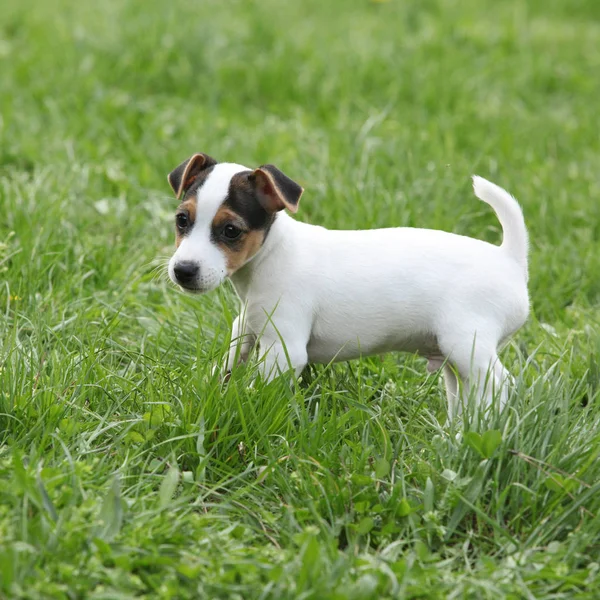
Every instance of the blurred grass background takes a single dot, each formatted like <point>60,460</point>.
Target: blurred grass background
<point>127,470</point>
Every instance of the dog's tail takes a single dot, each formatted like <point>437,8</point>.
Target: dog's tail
<point>515,240</point>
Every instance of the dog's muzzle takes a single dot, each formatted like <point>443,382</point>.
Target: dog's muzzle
<point>186,274</point>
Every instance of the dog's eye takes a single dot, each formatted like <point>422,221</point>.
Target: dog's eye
<point>181,220</point>
<point>231,232</point>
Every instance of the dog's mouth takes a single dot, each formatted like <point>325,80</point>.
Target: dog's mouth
<point>194,290</point>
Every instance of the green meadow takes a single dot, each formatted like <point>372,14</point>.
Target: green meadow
<point>128,470</point>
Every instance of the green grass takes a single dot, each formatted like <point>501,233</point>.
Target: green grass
<point>126,469</point>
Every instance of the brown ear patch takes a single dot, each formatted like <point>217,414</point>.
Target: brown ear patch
<point>239,251</point>
<point>185,175</point>
<point>275,190</point>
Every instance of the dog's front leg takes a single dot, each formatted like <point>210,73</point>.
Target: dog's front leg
<point>240,346</point>
<point>280,358</point>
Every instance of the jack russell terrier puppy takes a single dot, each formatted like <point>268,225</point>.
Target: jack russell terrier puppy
<point>310,294</point>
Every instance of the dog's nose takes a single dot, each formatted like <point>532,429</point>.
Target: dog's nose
<point>185,272</point>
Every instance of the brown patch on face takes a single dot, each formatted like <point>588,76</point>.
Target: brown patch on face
<point>242,200</point>
<point>237,258</point>
<point>187,207</point>
<point>240,250</point>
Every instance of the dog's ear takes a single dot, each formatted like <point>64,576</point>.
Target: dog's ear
<point>182,177</point>
<point>275,190</point>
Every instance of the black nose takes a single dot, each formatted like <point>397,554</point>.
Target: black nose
<point>185,272</point>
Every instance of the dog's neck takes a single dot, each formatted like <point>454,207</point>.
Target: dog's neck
<point>279,232</point>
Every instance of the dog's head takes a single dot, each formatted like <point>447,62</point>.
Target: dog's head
<point>224,217</point>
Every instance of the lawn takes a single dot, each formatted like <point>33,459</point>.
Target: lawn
<point>128,470</point>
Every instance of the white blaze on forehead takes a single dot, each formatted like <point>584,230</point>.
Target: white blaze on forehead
<point>197,246</point>
<point>214,191</point>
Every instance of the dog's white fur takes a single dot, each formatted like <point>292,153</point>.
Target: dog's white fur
<point>316,295</point>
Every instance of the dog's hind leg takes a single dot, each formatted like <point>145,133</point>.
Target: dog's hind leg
<point>451,384</point>
<point>474,356</point>
<point>435,363</point>
<point>502,380</point>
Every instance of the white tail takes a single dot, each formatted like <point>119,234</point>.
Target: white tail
<point>515,241</point>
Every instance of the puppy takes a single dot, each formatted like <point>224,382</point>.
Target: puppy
<point>310,294</point>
